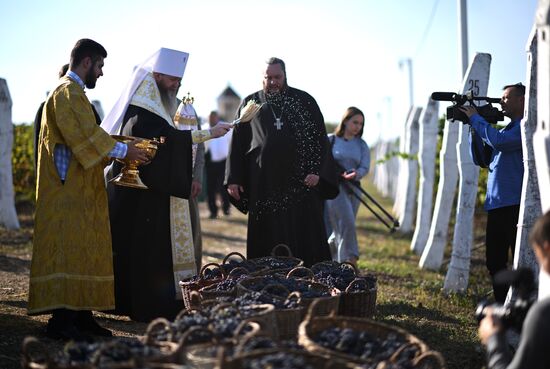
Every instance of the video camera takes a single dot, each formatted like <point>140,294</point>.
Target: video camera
<point>513,315</point>
<point>487,111</point>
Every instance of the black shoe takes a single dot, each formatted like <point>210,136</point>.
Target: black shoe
<point>86,323</point>
<point>65,333</point>
<point>213,216</point>
<point>226,212</point>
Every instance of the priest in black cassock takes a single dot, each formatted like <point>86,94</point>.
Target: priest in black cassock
<point>151,228</point>
<point>280,170</point>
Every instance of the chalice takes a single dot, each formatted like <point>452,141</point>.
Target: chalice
<point>129,175</point>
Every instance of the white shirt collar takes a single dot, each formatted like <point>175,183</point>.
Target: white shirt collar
<point>75,77</point>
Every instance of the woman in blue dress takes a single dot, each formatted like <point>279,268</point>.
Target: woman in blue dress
<point>353,156</point>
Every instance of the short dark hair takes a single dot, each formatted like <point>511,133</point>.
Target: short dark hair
<point>350,112</point>
<point>541,231</point>
<point>86,48</point>
<point>273,60</point>
<point>63,70</point>
<point>519,88</point>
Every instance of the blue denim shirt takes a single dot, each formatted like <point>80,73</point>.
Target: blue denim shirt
<point>505,157</point>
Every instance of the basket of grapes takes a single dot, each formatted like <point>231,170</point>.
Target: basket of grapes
<point>201,349</point>
<point>282,358</point>
<point>359,291</point>
<point>309,290</point>
<point>236,259</point>
<point>209,274</point>
<point>279,263</point>
<point>113,354</point>
<point>227,287</point>
<point>362,341</point>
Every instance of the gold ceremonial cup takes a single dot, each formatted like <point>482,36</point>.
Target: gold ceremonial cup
<point>129,175</point>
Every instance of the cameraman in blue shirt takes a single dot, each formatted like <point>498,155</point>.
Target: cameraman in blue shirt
<point>500,151</point>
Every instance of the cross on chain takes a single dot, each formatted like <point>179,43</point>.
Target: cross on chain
<point>278,123</point>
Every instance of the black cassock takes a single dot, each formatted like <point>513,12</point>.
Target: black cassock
<point>271,161</point>
<point>140,222</point>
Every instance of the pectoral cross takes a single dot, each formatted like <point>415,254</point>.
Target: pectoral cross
<point>278,123</point>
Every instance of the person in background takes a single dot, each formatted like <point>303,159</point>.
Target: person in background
<point>353,158</point>
<point>216,155</point>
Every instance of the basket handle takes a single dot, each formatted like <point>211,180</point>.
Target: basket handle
<point>206,266</point>
<point>429,357</point>
<point>183,340</point>
<point>307,271</point>
<point>237,272</point>
<point>226,258</point>
<point>281,246</point>
<point>184,312</point>
<point>275,287</point>
<point>312,309</point>
<point>347,263</point>
<point>154,326</point>
<point>353,283</point>
<point>220,306</point>
<point>395,356</point>
<point>246,323</point>
<point>294,294</point>
<point>194,300</point>
<point>27,360</point>
<point>242,342</point>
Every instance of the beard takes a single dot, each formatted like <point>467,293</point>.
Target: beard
<point>90,79</point>
<point>169,100</point>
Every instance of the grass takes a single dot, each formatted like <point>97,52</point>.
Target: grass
<point>413,298</point>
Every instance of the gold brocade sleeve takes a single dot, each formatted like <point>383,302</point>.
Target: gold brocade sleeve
<point>199,136</point>
<point>76,122</point>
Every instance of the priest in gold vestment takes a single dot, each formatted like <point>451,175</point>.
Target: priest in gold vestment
<point>71,269</point>
<point>151,229</point>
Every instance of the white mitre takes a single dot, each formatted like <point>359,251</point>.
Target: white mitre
<point>165,61</point>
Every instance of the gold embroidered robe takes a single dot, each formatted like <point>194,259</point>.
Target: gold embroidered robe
<point>72,258</point>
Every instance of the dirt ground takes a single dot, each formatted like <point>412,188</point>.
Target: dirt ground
<point>220,236</point>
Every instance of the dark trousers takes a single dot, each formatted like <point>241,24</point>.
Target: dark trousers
<point>499,239</point>
<point>215,173</point>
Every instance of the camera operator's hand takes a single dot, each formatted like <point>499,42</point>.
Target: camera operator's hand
<point>468,110</point>
<point>488,326</point>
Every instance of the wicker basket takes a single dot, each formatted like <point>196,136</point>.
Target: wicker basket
<point>288,259</point>
<point>246,264</point>
<point>312,325</point>
<point>327,303</point>
<point>310,359</point>
<point>360,304</point>
<point>194,285</point>
<point>211,292</point>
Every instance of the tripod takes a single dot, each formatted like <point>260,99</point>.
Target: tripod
<point>351,185</point>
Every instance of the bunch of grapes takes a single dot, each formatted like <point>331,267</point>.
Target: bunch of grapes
<point>340,276</point>
<point>76,353</point>
<point>279,360</point>
<point>274,262</point>
<point>306,288</point>
<point>363,345</point>
<point>122,350</point>
<point>246,264</point>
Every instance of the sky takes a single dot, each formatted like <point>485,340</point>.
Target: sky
<point>344,53</point>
